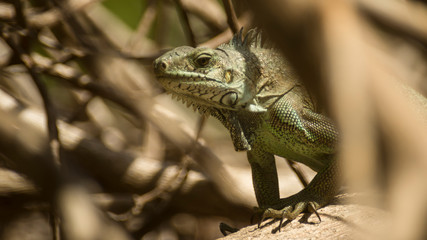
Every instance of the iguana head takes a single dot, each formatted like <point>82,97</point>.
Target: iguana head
<point>240,75</point>
<point>221,78</point>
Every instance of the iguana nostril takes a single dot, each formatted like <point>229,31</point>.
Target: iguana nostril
<point>163,65</point>
<point>160,65</point>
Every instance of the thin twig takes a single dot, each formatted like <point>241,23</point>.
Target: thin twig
<point>71,53</point>
<point>19,13</point>
<point>28,62</point>
<point>144,24</point>
<point>67,53</point>
<point>83,81</point>
<point>70,19</point>
<point>186,23</point>
<point>164,191</point>
<point>54,222</point>
<point>200,124</point>
<point>226,34</point>
<point>231,16</point>
<point>297,170</point>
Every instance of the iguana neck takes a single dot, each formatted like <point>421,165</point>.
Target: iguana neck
<point>231,121</point>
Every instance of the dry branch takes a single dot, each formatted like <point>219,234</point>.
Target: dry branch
<point>116,171</point>
<point>340,220</point>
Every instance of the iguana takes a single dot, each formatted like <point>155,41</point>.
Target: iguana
<point>256,95</point>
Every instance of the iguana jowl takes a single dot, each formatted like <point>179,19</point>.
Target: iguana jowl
<point>257,97</point>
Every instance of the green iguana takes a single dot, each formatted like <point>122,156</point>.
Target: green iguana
<point>255,94</point>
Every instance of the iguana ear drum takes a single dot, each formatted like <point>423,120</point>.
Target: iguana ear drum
<point>229,99</point>
<point>228,76</point>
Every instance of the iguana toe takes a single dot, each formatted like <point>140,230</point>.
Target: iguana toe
<point>290,212</point>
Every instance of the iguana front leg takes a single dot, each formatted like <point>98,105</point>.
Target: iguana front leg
<point>264,177</point>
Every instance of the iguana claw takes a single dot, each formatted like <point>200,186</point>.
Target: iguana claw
<point>227,229</point>
<point>289,212</point>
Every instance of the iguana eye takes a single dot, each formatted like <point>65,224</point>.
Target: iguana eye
<point>203,59</point>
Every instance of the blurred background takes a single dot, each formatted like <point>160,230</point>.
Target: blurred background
<point>92,148</point>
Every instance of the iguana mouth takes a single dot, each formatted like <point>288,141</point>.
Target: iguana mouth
<point>186,78</point>
<point>203,106</point>
<point>189,91</point>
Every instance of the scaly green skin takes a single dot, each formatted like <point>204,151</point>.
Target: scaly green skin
<point>258,98</point>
